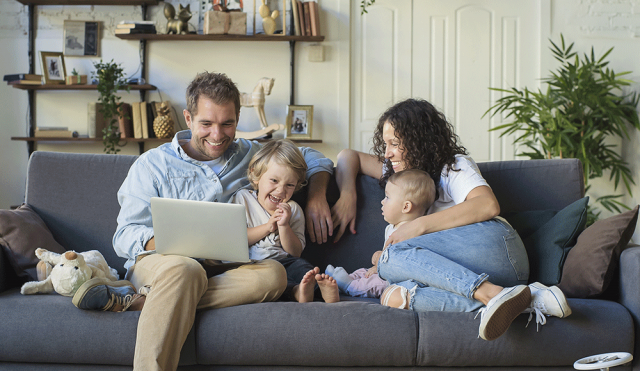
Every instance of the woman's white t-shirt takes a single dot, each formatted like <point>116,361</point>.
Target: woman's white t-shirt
<point>455,185</point>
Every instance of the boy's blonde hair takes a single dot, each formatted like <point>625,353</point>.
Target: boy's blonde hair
<point>418,187</point>
<point>283,152</point>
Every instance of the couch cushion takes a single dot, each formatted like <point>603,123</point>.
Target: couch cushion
<point>593,261</point>
<point>594,327</point>
<point>548,236</point>
<point>22,231</point>
<point>312,334</point>
<point>50,329</point>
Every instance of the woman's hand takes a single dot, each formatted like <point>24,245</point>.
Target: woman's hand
<point>404,232</point>
<point>343,214</point>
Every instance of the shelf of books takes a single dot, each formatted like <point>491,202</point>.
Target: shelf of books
<point>135,140</point>
<point>88,2</point>
<point>197,37</point>
<point>75,87</point>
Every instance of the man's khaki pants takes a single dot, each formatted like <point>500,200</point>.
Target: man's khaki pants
<point>179,286</point>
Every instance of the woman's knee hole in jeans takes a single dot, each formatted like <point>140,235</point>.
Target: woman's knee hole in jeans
<point>396,297</point>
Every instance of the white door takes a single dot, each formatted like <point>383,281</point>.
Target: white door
<point>460,48</point>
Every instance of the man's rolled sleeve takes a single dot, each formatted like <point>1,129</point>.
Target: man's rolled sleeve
<point>316,162</point>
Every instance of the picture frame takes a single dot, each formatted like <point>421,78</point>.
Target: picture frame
<point>299,122</point>
<point>81,38</point>
<point>53,69</point>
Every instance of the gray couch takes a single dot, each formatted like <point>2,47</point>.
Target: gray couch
<point>75,194</point>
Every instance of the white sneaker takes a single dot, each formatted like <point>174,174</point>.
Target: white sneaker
<point>497,315</point>
<point>549,301</point>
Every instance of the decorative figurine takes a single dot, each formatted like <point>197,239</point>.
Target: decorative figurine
<point>163,124</point>
<point>180,25</point>
<point>256,98</point>
<point>268,18</point>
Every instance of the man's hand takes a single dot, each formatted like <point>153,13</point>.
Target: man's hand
<point>319,224</point>
<point>343,214</point>
<point>318,214</point>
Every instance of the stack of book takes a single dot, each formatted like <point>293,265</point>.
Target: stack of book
<point>53,132</point>
<point>23,79</point>
<point>306,17</point>
<point>135,27</point>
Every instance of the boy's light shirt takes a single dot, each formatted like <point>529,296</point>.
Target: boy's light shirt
<point>167,171</point>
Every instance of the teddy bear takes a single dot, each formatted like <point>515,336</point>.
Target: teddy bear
<point>65,273</point>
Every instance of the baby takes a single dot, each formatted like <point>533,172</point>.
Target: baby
<point>275,224</point>
<point>407,196</point>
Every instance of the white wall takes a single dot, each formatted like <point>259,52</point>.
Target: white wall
<point>172,64</point>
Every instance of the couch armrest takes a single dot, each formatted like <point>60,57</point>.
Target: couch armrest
<point>630,292</point>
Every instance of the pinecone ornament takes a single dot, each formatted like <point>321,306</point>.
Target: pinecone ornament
<point>163,124</point>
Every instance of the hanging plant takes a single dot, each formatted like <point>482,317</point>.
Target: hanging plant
<point>582,108</point>
<point>364,4</point>
<point>111,78</point>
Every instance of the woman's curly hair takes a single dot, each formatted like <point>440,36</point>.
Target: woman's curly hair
<point>427,139</point>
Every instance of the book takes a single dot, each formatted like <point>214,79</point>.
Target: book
<point>136,22</point>
<point>301,16</point>
<point>95,120</point>
<point>24,82</point>
<point>137,120</point>
<point>307,19</point>
<point>137,26</point>
<point>22,76</point>
<point>150,118</point>
<point>58,128</point>
<point>312,17</point>
<point>296,19</point>
<point>130,31</point>
<point>38,133</point>
<point>125,122</point>
<point>315,10</point>
<point>144,120</point>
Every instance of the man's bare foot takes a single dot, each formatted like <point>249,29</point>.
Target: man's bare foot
<point>328,288</point>
<point>303,292</point>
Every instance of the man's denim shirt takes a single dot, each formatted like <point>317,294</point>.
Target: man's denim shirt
<point>167,171</point>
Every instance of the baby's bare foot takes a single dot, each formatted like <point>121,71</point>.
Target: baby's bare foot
<point>304,291</point>
<point>328,288</point>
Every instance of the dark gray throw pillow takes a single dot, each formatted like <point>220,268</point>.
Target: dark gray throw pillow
<point>548,235</point>
<point>593,261</point>
<point>22,231</point>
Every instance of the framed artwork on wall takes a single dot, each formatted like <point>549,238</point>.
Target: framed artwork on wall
<point>81,39</point>
<point>53,69</point>
<point>299,122</point>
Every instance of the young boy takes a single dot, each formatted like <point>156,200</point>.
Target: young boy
<point>407,196</point>
<point>276,224</point>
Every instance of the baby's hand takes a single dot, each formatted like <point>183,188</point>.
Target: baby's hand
<point>284,212</point>
<point>371,271</point>
<point>376,257</point>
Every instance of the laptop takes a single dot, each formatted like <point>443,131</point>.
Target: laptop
<point>200,229</point>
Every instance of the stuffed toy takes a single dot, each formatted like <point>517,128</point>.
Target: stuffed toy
<point>65,273</point>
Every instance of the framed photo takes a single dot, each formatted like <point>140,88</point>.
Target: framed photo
<point>299,122</point>
<point>53,68</point>
<point>81,39</point>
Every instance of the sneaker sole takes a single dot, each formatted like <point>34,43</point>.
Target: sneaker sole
<point>501,318</point>
<point>560,298</point>
<point>97,281</point>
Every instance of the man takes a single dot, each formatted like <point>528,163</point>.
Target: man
<point>202,163</point>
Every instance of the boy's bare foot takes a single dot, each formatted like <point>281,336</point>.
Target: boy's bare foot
<point>303,293</point>
<point>328,288</point>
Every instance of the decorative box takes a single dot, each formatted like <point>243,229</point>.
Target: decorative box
<point>76,80</point>
<point>218,23</point>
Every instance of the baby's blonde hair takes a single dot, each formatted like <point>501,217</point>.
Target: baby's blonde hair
<point>283,152</point>
<point>418,187</point>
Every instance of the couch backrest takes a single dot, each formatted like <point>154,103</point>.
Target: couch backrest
<point>75,194</point>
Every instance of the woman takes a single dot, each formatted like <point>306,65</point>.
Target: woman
<point>442,261</point>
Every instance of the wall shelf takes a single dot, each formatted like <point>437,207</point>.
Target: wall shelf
<point>76,87</point>
<point>197,37</point>
<point>134,140</point>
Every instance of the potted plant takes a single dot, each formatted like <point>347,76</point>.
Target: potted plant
<point>111,78</point>
<point>582,108</point>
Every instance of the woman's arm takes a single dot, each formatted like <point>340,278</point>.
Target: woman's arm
<point>480,205</point>
<point>350,164</point>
